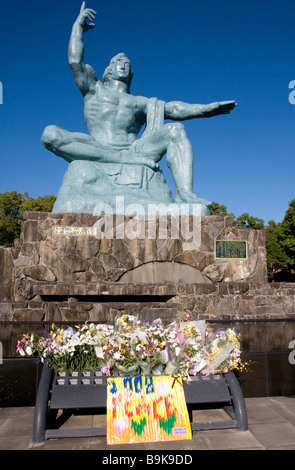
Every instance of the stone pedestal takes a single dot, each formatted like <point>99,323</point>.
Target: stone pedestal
<point>77,267</point>
<point>84,249</point>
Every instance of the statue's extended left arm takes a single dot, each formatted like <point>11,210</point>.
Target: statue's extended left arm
<point>179,111</point>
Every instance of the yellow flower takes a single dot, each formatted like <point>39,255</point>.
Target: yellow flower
<point>59,336</point>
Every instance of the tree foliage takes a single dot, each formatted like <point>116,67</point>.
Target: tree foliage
<point>246,220</point>
<point>287,234</point>
<point>10,217</point>
<point>219,209</point>
<point>275,253</point>
<point>12,207</point>
<point>42,204</point>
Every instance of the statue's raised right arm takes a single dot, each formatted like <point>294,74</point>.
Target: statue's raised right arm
<point>84,74</point>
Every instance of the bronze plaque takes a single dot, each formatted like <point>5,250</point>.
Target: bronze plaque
<point>232,249</point>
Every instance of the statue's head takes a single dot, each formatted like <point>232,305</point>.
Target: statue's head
<point>119,69</point>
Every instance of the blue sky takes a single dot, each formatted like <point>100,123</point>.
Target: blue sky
<point>196,51</point>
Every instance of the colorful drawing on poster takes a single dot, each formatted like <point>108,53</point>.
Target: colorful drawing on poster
<point>146,409</point>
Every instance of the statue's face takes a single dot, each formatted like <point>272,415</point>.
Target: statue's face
<point>121,67</point>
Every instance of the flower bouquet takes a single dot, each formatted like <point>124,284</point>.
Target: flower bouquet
<point>131,347</point>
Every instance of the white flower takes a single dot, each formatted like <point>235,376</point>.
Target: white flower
<point>117,355</point>
<point>29,350</point>
<point>177,351</point>
<point>99,352</point>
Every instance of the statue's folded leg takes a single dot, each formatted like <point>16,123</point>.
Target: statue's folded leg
<point>74,145</point>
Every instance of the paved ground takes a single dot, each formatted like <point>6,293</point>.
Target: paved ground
<point>271,427</point>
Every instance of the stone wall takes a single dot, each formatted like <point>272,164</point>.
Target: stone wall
<point>7,274</point>
<point>225,301</point>
<point>130,255</point>
<point>55,273</point>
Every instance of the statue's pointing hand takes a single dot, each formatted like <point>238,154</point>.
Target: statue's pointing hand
<point>225,107</point>
<point>86,14</point>
<point>221,107</point>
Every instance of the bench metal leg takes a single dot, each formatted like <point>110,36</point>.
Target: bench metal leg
<point>41,407</point>
<point>239,406</point>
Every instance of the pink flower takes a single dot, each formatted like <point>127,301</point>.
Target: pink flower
<point>105,370</point>
<point>19,348</point>
<point>181,337</point>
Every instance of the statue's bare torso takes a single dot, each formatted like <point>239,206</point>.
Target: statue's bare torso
<point>113,117</point>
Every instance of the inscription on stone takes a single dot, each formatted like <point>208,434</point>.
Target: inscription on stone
<point>74,231</point>
<point>233,249</point>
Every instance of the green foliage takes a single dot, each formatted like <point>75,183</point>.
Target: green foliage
<point>12,207</point>
<point>41,204</point>
<point>287,234</point>
<point>246,220</point>
<point>219,209</point>
<point>10,218</point>
<point>275,253</point>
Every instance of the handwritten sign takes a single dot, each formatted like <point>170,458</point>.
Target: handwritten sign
<point>231,249</point>
<point>146,409</point>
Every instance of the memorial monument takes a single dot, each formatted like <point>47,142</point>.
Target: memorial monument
<point>112,160</point>
<point>71,260</point>
<point>77,264</point>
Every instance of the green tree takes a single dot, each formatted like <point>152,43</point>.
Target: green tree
<point>246,220</point>
<point>219,209</point>
<point>10,216</point>
<point>41,204</point>
<point>12,207</point>
<point>275,253</point>
<point>287,235</point>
